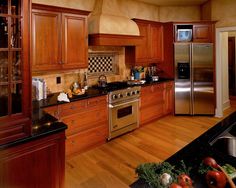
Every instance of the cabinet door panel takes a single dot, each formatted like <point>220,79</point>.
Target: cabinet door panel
<point>74,41</point>
<point>202,33</point>
<point>156,43</point>
<point>39,163</point>
<point>142,50</point>
<point>86,140</point>
<point>45,40</point>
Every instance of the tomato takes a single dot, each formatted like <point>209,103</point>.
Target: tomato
<point>215,179</point>
<point>184,180</point>
<point>209,161</point>
<point>175,185</point>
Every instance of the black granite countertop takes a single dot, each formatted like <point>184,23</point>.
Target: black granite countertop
<point>52,99</point>
<point>42,125</point>
<point>197,150</point>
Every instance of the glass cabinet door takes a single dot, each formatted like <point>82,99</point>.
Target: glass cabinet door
<point>10,58</point>
<point>15,78</point>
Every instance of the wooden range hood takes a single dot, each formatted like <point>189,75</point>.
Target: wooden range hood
<point>114,40</point>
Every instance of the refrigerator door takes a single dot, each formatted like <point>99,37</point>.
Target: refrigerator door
<point>202,79</point>
<point>182,78</point>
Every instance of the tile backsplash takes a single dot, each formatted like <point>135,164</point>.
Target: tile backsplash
<point>67,78</point>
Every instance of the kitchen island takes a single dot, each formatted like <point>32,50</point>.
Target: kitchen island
<point>201,147</point>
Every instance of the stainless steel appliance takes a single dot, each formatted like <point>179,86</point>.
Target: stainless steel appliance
<point>123,110</point>
<point>194,75</point>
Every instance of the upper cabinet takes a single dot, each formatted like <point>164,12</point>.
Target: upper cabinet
<point>194,32</point>
<point>202,33</point>
<point>15,79</point>
<point>151,48</point>
<point>59,38</point>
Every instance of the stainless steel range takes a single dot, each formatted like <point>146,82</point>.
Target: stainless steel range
<point>123,109</point>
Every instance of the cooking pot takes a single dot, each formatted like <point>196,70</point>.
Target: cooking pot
<point>102,81</point>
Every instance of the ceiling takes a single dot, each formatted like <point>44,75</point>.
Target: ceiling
<point>174,2</point>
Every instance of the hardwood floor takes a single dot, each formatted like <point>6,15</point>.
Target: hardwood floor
<point>113,164</point>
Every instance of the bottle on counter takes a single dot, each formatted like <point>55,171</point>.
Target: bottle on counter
<point>131,74</point>
<point>85,81</point>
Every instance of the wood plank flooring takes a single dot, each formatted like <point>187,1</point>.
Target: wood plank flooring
<point>113,164</point>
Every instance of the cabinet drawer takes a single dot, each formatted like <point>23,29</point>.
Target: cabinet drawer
<point>86,140</point>
<point>84,121</point>
<point>97,101</point>
<point>72,108</point>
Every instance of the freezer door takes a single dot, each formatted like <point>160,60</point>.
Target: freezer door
<point>182,78</point>
<point>202,77</point>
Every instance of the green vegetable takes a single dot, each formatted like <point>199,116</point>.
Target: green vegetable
<point>230,170</point>
<point>151,173</point>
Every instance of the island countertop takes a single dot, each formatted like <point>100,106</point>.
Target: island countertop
<point>197,150</point>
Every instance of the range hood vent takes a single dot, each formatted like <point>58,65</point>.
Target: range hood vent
<point>108,25</point>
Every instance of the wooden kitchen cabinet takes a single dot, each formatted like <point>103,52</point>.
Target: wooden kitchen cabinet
<point>152,103</point>
<point>151,48</point>
<point>37,163</point>
<point>59,38</point>
<point>15,79</point>
<point>87,122</point>
<point>168,97</point>
<point>202,33</point>
<point>157,100</point>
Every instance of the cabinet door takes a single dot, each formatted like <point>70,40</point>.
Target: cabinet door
<point>46,29</point>
<point>142,51</point>
<point>169,98</point>
<point>74,41</point>
<point>15,80</point>
<point>39,163</point>
<point>156,43</point>
<point>202,33</point>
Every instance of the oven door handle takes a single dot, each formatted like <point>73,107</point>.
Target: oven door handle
<point>114,106</point>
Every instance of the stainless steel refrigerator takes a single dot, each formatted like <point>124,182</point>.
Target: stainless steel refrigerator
<point>194,79</point>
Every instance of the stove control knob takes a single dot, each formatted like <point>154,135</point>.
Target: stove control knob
<point>137,91</point>
<point>114,96</point>
<point>119,96</point>
<point>133,92</point>
<point>128,94</point>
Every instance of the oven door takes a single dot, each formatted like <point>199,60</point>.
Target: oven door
<point>123,114</point>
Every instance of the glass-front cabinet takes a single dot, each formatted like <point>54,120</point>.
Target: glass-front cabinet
<point>15,79</point>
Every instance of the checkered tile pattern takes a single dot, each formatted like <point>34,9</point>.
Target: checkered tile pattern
<point>101,63</point>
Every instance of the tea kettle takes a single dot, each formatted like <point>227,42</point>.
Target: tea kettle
<point>102,81</point>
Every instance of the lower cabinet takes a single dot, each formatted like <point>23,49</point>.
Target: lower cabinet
<point>87,122</point>
<point>156,101</point>
<point>37,163</point>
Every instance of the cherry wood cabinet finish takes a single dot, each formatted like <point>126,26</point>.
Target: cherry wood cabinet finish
<point>87,122</point>
<point>74,41</point>
<point>151,48</point>
<point>202,33</point>
<point>169,98</point>
<point>59,39</point>
<point>15,89</point>
<point>46,48</point>
<point>114,40</point>
<point>39,163</point>
<point>156,101</point>
<point>152,103</point>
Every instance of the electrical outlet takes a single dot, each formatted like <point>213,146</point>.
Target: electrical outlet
<point>58,80</point>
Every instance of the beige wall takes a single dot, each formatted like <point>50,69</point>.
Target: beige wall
<point>135,9</point>
<point>180,13</point>
<point>222,11</point>
<point>76,4</point>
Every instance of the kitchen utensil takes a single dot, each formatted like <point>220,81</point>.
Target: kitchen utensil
<point>102,81</point>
